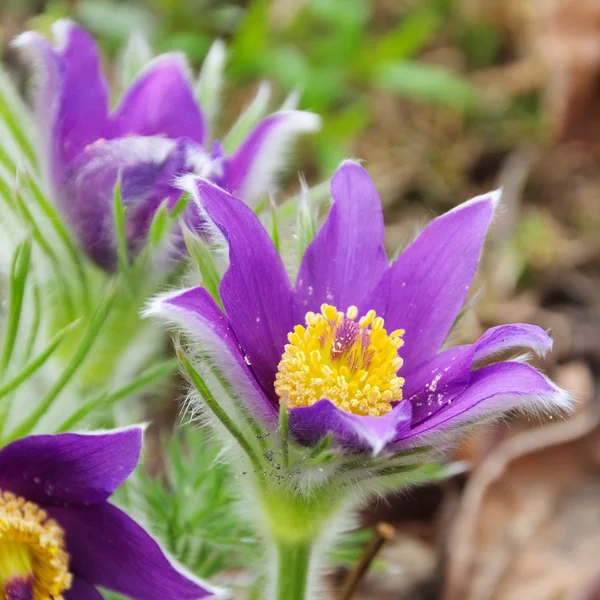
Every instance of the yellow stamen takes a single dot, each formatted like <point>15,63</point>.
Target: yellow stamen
<point>32,546</point>
<point>353,364</point>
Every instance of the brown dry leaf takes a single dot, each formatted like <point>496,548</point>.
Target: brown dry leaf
<point>567,34</point>
<point>556,42</point>
<point>528,525</point>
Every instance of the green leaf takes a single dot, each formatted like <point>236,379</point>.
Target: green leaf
<point>37,362</point>
<point>114,21</point>
<point>318,196</point>
<point>63,233</point>
<point>81,352</point>
<point>18,278</point>
<point>306,221</point>
<point>275,224</point>
<point>107,400</point>
<point>210,82</point>
<point>35,325</point>
<point>161,225</point>
<point>120,217</point>
<point>404,41</point>
<point>284,432</point>
<point>430,83</point>
<point>201,255</point>
<point>136,54</point>
<point>67,302</point>
<point>253,113</point>
<point>251,41</point>
<point>179,207</point>
<point>192,507</point>
<point>14,114</point>
<point>216,409</point>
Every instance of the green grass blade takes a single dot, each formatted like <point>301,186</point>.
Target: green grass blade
<point>79,356</point>
<point>63,233</point>
<point>255,111</point>
<point>217,410</point>
<point>37,362</point>
<point>201,255</point>
<point>18,280</point>
<point>210,82</point>
<point>119,217</point>
<point>109,399</point>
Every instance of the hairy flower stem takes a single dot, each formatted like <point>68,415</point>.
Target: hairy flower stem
<point>293,570</point>
<point>301,527</point>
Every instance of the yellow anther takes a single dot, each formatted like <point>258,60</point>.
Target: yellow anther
<point>32,546</point>
<point>330,312</point>
<point>377,323</point>
<point>352,363</point>
<point>367,319</point>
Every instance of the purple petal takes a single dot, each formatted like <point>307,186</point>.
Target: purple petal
<point>69,468</point>
<point>82,116</point>
<point>196,312</point>
<point>494,389</point>
<point>424,290</point>
<point>148,168</point>
<point>507,337</point>
<point>255,290</point>
<point>160,102</point>
<point>346,259</point>
<point>436,383</point>
<point>82,590</point>
<point>110,550</point>
<point>309,424</point>
<point>251,170</point>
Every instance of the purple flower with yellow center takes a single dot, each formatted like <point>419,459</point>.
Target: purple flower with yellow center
<point>156,133</point>
<point>60,538</point>
<point>353,349</point>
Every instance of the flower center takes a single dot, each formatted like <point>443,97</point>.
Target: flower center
<point>34,564</point>
<point>354,364</point>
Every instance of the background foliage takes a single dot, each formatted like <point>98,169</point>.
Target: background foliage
<point>443,99</point>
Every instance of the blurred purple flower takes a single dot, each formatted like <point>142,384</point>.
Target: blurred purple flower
<point>60,537</point>
<point>321,345</point>
<point>155,134</point>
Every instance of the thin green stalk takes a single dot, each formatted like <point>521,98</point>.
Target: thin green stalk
<point>11,120</point>
<point>64,234</point>
<point>41,241</point>
<point>119,218</point>
<point>293,563</point>
<point>81,353</point>
<point>284,433</point>
<point>35,325</point>
<point>256,429</point>
<point>18,279</point>
<point>106,400</point>
<point>37,362</point>
<point>216,409</point>
<point>275,225</point>
<point>321,446</point>
<point>201,255</point>
<point>246,121</point>
<point>318,196</point>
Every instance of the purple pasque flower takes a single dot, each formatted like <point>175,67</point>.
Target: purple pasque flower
<point>353,348</point>
<point>155,134</point>
<point>59,535</point>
